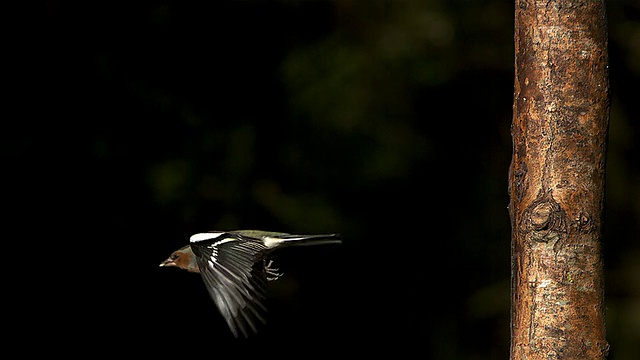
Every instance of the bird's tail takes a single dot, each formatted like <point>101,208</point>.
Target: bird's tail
<point>273,241</point>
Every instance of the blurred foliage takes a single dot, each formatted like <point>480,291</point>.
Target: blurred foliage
<point>387,121</point>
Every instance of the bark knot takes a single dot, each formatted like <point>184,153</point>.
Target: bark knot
<point>540,216</point>
<point>545,220</point>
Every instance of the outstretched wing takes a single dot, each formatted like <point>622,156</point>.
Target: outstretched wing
<point>233,272</point>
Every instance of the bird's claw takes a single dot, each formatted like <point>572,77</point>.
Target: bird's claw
<point>272,272</point>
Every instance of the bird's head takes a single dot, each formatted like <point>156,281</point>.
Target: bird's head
<point>182,258</point>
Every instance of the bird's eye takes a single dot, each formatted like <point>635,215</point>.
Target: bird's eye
<point>174,256</point>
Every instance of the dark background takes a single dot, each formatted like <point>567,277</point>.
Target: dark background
<point>129,126</point>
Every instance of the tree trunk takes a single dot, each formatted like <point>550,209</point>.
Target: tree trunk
<point>556,180</point>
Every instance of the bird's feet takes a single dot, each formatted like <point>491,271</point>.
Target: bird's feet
<point>272,272</point>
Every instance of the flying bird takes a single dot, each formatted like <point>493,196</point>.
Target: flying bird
<point>235,267</point>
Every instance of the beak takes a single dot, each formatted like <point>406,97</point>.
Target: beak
<point>167,262</point>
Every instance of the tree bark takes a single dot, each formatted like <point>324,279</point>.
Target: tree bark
<point>556,180</point>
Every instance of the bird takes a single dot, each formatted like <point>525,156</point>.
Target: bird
<point>235,267</point>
